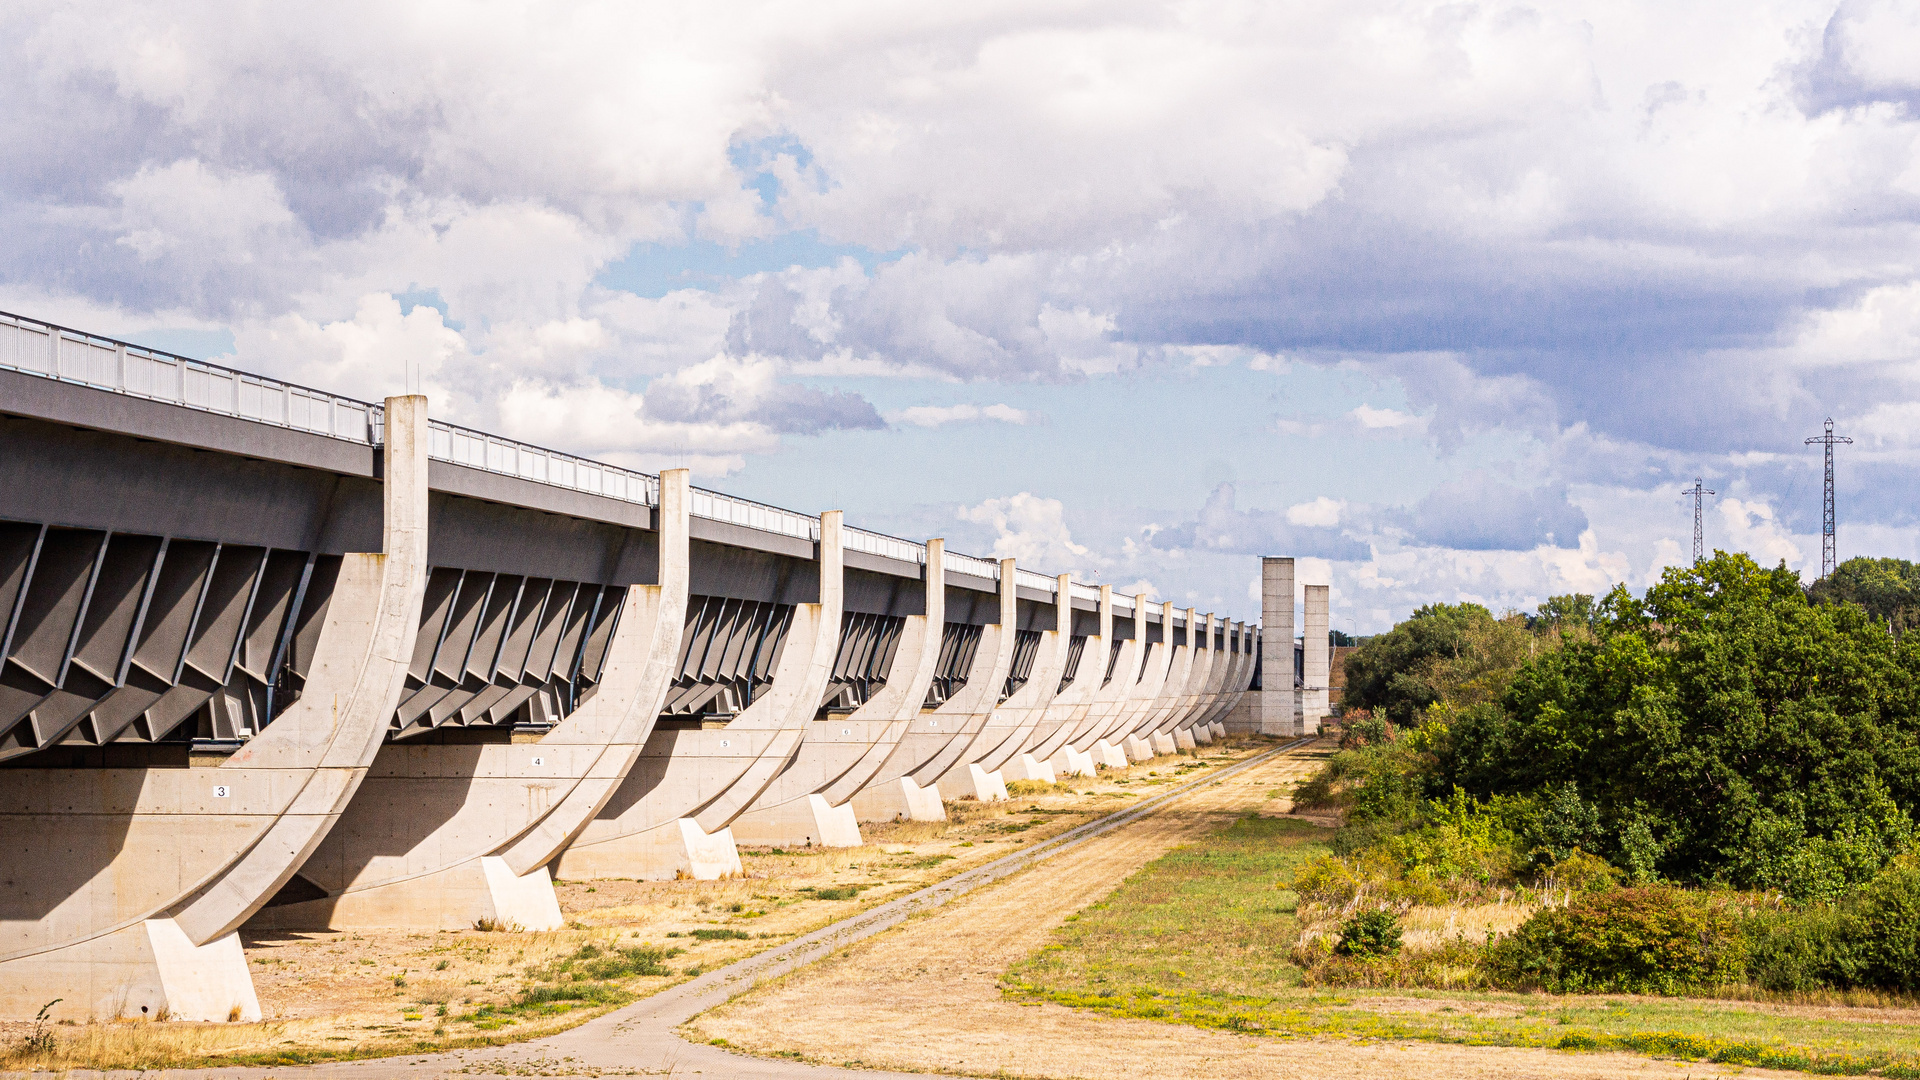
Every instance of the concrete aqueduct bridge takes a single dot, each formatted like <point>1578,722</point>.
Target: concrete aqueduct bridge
<point>278,658</point>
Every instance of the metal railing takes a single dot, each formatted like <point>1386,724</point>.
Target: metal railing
<point>491,453</point>
<point>1032,580</point>
<point>967,564</point>
<point>888,547</point>
<point>122,368</point>
<point>1085,592</point>
<point>715,506</point>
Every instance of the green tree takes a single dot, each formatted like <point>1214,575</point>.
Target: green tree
<point>1887,589</point>
<point>1389,675</point>
<point>1724,728</point>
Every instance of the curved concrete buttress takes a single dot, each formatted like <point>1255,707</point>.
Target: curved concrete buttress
<point>1113,700</point>
<point>1066,714</point>
<point>1239,673</point>
<point>1149,690</point>
<point>810,803</point>
<point>1237,665</point>
<point>1209,693</point>
<point>1154,723</point>
<point>1025,710</point>
<point>1242,679</point>
<point>121,889</point>
<point>904,787</point>
<point>441,836</point>
<point>669,817</point>
<point>1177,695</point>
<point>956,772</point>
<point>1199,664</point>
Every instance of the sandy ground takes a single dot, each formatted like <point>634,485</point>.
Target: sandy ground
<point>925,996</point>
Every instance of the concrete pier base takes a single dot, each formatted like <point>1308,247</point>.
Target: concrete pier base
<point>150,970</point>
<point>455,898</point>
<point>1071,762</point>
<point>1202,734</point>
<point>807,822</point>
<point>1164,744</point>
<point>678,849</point>
<point>1108,755</point>
<point>899,800</point>
<point>1027,767</point>
<point>1184,740</point>
<point>1138,749</point>
<point>979,783</point>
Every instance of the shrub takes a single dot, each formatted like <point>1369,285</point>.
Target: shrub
<point>1790,950</point>
<point>1880,931</point>
<point>1369,934</point>
<point>1580,872</point>
<point>1452,965</point>
<point>1637,940</point>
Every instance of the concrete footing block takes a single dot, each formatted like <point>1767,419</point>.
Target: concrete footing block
<point>1202,734</point>
<point>1184,740</point>
<point>983,785</point>
<point>1071,762</point>
<point>1028,767</point>
<point>678,849</point>
<point>1163,744</point>
<point>456,898</point>
<point>148,970</point>
<point>1108,755</point>
<point>807,822</point>
<point>1137,749</point>
<point>523,900</point>
<point>898,800</point>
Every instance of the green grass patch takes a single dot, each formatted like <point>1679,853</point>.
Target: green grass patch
<point>1203,935</point>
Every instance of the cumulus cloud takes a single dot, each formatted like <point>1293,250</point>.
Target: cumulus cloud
<point>1221,527</point>
<point>1032,530</point>
<point>1603,246</point>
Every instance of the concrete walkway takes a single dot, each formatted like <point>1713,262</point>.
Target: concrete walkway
<point>641,1039</point>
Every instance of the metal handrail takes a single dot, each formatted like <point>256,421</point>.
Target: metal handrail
<point>889,547</point>
<point>1033,580</point>
<point>59,352</point>
<point>715,506</point>
<point>967,564</point>
<point>491,453</point>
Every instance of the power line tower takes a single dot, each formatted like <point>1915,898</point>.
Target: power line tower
<point>1827,439</point>
<point>1697,490</point>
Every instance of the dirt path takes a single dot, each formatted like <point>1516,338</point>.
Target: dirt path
<point>925,996</point>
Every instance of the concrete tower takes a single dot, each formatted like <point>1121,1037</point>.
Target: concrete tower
<point>1315,670</point>
<point>1278,710</point>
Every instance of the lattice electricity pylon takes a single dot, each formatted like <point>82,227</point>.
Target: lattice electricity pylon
<point>1696,491</point>
<point>1827,557</point>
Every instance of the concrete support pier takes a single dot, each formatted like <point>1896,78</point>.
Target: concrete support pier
<point>1315,656</point>
<point>810,802</point>
<point>670,816</point>
<point>441,836</point>
<point>1277,711</point>
<point>121,890</point>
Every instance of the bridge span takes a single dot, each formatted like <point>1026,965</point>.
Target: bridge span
<point>271,656</point>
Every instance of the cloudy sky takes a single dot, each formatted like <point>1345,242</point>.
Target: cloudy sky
<point>1449,299</point>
